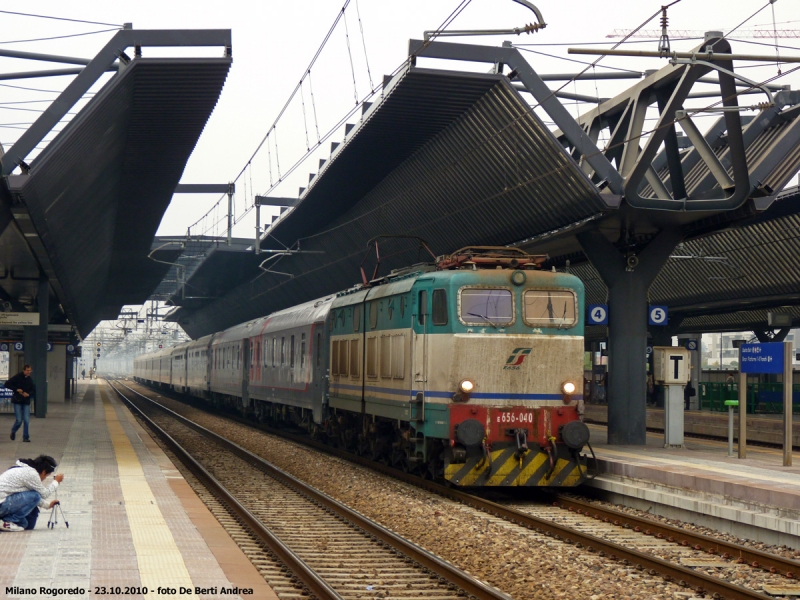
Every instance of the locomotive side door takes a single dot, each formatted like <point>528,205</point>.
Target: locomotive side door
<point>419,345</point>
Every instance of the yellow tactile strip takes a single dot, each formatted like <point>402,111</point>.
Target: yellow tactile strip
<point>160,561</point>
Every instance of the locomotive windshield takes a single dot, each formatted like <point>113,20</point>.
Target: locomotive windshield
<point>486,306</point>
<point>550,308</point>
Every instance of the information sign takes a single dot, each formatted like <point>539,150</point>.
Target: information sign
<point>597,314</point>
<point>691,344</point>
<point>19,318</point>
<point>70,348</point>
<point>762,358</point>
<point>19,346</point>
<point>657,315</point>
<point>49,347</point>
<point>3,347</point>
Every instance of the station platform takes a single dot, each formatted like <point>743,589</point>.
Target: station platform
<point>761,428</point>
<point>754,498</point>
<point>134,521</point>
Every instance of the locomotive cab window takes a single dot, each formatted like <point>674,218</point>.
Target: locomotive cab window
<point>484,307</point>
<point>551,308</point>
<point>439,310</point>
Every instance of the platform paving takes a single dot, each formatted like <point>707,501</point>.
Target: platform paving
<point>756,497</point>
<point>133,519</point>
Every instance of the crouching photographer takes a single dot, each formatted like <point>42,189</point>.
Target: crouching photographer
<point>22,492</point>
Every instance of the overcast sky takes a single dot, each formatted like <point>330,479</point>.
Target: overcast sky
<point>274,41</point>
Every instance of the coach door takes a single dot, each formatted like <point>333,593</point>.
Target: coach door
<point>246,352</point>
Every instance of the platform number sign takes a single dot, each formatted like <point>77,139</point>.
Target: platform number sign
<point>598,314</point>
<point>691,344</point>
<point>657,315</point>
<point>19,346</point>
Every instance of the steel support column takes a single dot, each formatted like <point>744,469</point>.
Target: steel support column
<point>627,340</point>
<point>35,340</point>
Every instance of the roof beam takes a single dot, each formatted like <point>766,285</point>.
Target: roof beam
<point>205,188</point>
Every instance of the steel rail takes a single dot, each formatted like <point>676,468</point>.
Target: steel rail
<point>463,580</point>
<point>309,578</point>
<point>669,571</point>
<point>755,558</point>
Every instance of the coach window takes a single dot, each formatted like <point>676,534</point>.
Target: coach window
<point>291,352</point>
<point>319,350</point>
<point>422,308</point>
<point>356,318</point>
<point>274,350</point>
<point>373,315</point>
<point>550,308</point>
<point>439,311</point>
<point>302,350</point>
<point>283,351</point>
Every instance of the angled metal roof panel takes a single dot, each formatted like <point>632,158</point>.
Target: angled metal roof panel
<point>97,193</point>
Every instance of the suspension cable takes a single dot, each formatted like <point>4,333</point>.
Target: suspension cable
<point>350,54</point>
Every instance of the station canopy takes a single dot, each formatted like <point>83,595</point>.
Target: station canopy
<point>460,158</point>
<point>86,209</point>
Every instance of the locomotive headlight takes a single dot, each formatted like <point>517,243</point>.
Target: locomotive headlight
<point>466,386</point>
<point>568,387</point>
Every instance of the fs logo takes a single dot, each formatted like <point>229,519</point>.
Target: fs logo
<point>516,359</point>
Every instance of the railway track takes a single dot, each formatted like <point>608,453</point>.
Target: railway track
<point>332,550</point>
<point>677,555</point>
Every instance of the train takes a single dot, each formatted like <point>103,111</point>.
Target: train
<point>467,369</point>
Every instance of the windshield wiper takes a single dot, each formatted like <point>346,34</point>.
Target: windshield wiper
<point>484,317</point>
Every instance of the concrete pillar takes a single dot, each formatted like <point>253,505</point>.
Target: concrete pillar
<point>35,340</point>
<point>628,281</point>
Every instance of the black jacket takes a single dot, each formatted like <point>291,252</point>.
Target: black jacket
<point>20,382</point>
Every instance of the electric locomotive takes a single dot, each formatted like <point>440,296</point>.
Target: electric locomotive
<point>469,369</point>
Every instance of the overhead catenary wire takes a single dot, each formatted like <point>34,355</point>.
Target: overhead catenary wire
<point>57,37</point>
<point>22,14</point>
<point>270,132</point>
<point>293,93</point>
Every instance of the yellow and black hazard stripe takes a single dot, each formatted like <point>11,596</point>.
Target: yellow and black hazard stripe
<point>506,469</point>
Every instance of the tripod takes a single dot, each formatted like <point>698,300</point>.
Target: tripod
<point>53,520</point>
